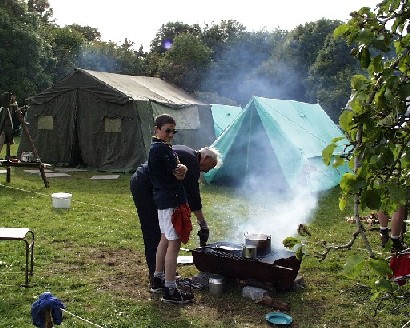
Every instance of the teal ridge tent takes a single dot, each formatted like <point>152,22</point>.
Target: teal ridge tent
<point>223,116</point>
<point>105,120</point>
<point>277,145</point>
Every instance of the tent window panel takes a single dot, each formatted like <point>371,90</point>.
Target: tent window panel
<point>112,124</point>
<point>187,118</point>
<point>45,122</point>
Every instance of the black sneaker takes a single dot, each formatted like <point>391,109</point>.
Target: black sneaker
<point>176,296</point>
<point>398,246</point>
<point>384,237</point>
<point>157,285</point>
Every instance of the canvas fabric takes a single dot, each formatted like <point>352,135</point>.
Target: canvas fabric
<point>277,144</point>
<point>105,121</point>
<point>223,116</point>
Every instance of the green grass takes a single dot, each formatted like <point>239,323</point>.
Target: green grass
<point>91,257</point>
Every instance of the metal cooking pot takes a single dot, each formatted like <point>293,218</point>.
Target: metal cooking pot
<point>249,251</point>
<point>261,241</point>
<point>216,284</point>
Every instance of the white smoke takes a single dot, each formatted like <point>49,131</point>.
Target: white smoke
<point>277,215</point>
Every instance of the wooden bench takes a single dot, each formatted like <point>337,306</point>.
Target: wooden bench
<point>26,235</point>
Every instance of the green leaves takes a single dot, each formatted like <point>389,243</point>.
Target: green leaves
<point>295,244</point>
<point>382,285</point>
<point>328,152</point>
<point>381,267</point>
<point>351,182</point>
<point>378,270</point>
<point>290,242</point>
<point>342,30</point>
<point>397,194</point>
<point>359,83</point>
<point>353,266</point>
<point>373,121</point>
<point>346,120</point>
<point>370,199</point>
<point>364,57</point>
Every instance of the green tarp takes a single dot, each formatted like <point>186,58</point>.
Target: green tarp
<point>105,120</point>
<point>277,145</point>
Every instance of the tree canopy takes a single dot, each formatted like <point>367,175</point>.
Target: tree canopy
<point>221,61</point>
<point>376,120</point>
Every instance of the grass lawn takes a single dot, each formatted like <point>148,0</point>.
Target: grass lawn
<point>91,258</point>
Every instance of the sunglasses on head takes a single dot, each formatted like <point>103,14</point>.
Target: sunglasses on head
<point>171,130</point>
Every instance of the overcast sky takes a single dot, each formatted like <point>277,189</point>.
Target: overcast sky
<point>139,21</point>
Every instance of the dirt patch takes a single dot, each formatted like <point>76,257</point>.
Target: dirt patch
<point>129,272</point>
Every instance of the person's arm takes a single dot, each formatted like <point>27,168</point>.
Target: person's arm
<point>203,232</point>
<point>200,218</point>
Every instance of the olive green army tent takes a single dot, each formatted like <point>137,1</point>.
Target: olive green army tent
<point>277,145</point>
<point>105,120</point>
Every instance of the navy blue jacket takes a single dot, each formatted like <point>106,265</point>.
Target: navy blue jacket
<point>190,158</point>
<point>168,191</point>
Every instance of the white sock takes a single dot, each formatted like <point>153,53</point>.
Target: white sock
<point>170,284</point>
<point>160,274</point>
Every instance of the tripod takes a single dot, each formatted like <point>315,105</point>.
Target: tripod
<point>10,161</point>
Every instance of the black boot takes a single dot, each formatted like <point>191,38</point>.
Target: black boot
<point>398,246</point>
<point>384,236</point>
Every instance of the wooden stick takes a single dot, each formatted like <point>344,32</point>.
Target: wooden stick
<point>48,321</point>
<point>30,140</point>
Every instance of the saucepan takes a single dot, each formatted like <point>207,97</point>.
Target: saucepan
<point>261,241</point>
<point>249,251</point>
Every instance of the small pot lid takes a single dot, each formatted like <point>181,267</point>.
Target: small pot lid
<point>278,318</point>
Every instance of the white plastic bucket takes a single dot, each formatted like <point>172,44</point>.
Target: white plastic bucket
<point>61,199</point>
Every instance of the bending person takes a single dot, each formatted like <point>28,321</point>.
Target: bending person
<point>141,188</point>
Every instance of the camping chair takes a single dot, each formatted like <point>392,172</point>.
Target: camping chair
<point>26,235</point>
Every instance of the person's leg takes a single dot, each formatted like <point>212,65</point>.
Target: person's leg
<point>171,292</point>
<point>171,260</point>
<point>157,284</point>
<point>384,231</point>
<point>148,217</point>
<point>397,222</point>
<point>161,254</point>
<point>383,219</point>
<point>397,228</point>
<point>151,234</point>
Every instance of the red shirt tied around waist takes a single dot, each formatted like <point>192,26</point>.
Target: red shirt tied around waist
<point>400,265</point>
<point>181,219</point>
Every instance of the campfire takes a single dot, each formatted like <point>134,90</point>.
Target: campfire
<point>277,268</point>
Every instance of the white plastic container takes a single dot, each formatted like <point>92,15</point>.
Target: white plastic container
<point>61,199</point>
<point>26,156</point>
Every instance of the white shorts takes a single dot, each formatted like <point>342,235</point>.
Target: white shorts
<point>165,224</point>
